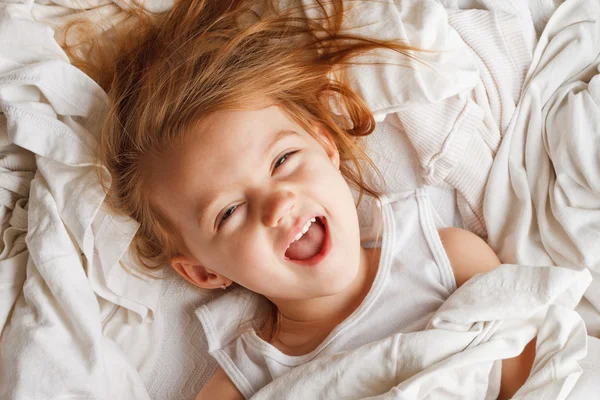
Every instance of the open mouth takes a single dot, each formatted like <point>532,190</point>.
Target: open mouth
<point>311,244</point>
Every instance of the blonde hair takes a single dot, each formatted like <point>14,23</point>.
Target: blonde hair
<point>204,56</point>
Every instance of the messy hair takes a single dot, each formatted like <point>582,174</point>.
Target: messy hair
<point>172,71</point>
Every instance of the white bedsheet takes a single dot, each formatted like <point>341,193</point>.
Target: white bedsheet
<point>543,197</point>
<point>80,320</point>
<point>53,342</point>
<point>490,318</point>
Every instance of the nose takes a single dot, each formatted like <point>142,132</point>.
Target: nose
<point>278,206</point>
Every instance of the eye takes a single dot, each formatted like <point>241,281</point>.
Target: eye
<point>226,215</point>
<point>283,159</point>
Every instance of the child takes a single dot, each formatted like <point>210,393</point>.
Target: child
<point>222,144</point>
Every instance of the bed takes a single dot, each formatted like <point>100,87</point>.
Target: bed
<point>484,135</point>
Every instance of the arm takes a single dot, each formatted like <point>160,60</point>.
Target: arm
<point>470,255</point>
<point>219,387</point>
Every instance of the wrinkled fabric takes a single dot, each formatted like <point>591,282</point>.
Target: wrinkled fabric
<point>60,295</point>
<point>490,318</point>
<point>542,203</point>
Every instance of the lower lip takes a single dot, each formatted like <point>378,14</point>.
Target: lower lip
<point>309,262</point>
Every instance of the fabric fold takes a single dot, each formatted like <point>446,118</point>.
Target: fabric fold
<point>542,204</point>
<point>490,318</point>
<point>53,309</point>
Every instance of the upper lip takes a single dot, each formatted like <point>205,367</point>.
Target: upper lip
<point>297,228</point>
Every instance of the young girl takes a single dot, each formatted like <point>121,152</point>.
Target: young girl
<point>222,144</point>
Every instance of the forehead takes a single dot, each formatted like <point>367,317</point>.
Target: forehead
<point>229,129</point>
<point>227,137</point>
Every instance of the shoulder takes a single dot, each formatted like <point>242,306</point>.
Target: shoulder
<point>468,253</point>
<point>219,387</point>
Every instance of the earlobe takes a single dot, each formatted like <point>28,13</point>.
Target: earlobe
<point>197,274</point>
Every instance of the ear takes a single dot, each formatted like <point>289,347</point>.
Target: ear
<point>197,274</point>
<point>331,149</point>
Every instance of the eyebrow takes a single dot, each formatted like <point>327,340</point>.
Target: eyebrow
<point>205,205</point>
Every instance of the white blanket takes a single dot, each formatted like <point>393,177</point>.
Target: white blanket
<point>491,317</point>
<point>542,203</point>
<point>54,324</point>
<point>68,311</point>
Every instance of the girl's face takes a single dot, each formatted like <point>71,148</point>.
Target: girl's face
<point>241,190</point>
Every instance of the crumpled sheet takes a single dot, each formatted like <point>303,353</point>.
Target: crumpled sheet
<point>73,286</point>
<point>59,297</point>
<point>542,202</point>
<point>125,316</point>
<point>104,15</point>
<point>490,318</point>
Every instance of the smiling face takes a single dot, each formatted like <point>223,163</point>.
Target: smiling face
<point>241,191</point>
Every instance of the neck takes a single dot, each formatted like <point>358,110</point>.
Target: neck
<point>318,316</point>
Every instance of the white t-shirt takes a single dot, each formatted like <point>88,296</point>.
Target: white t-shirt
<point>413,279</point>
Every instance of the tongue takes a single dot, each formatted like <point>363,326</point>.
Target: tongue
<point>308,245</point>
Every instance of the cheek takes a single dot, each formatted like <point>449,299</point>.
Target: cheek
<point>318,170</point>
<point>242,256</point>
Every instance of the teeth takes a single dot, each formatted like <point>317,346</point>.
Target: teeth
<point>304,230</point>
